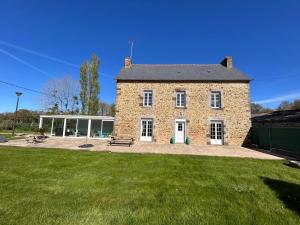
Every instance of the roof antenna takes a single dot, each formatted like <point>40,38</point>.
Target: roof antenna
<point>131,47</point>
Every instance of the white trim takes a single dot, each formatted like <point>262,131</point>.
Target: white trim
<point>76,129</point>
<point>64,129</point>
<point>52,123</point>
<point>146,138</point>
<point>101,127</point>
<point>147,92</point>
<point>106,118</point>
<point>185,129</point>
<point>89,128</point>
<point>217,141</point>
<point>41,122</point>
<point>214,101</point>
<point>180,93</point>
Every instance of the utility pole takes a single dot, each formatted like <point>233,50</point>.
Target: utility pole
<point>14,124</point>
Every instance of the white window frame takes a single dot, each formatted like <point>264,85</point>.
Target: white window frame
<point>146,98</point>
<point>146,136</point>
<point>216,136</point>
<point>181,95</point>
<point>213,100</point>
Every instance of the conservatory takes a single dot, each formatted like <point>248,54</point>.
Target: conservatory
<point>77,125</point>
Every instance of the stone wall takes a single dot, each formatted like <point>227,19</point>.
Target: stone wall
<point>235,111</point>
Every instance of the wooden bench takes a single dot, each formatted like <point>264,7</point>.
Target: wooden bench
<point>121,141</point>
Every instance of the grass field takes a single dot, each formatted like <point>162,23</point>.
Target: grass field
<point>46,187</point>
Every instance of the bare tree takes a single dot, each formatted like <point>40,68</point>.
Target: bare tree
<point>289,105</point>
<point>61,95</point>
<point>258,108</point>
<point>106,109</point>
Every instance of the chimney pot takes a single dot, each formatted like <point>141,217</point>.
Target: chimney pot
<point>227,62</point>
<point>127,63</point>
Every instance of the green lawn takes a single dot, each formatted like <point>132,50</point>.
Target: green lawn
<point>41,186</point>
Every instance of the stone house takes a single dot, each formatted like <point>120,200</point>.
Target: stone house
<point>206,103</point>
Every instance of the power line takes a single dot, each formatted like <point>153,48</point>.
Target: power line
<point>24,88</point>
<point>55,59</point>
<point>36,68</point>
<point>24,62</point>
<point>52,58</point>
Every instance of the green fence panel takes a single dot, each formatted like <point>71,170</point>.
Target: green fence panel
<point>287,139</point>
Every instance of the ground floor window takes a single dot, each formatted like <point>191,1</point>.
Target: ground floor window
<point>96,128</point>
<point>71,127</point>
<point>216,132</point>
<point>146,129</point>
<point>82,128</point>
<point>107,128</point>
<point>58,127</point>
<point>77,126</point>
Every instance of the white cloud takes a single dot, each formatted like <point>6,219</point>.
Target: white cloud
<point>279,98</point>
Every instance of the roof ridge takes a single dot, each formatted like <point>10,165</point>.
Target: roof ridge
<point>186,64</point>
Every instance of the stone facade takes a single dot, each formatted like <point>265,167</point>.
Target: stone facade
<point>234,112</point>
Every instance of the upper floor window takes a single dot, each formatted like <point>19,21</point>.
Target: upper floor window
<point>215,99</point>
<point>180,99</point>
<point>148,98</point>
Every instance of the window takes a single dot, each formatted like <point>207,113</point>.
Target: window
<point>215,99</point>
<point>146,129</point>
<point>179,126</point>
<point>216,132</point>
<point>148,97</point>
<point>180,99</point>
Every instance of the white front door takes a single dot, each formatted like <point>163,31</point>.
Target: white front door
<point>216,132</point>
<point>146,129</point>
<point>180,132</point>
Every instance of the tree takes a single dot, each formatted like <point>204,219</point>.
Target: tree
<point>84,87</point>
<point>90,88</point>
<point>285,105</point>
<point>103,108</point>
<point>93,106</point>
<point>26,120</point>
<point>112,109</point>
<point>106,109</point>
<point>74,105</point>
<point>296,104</point>
<point>59,94</point>
<point>258,108</point>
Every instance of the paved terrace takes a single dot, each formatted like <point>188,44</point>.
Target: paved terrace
<point>101,145</point>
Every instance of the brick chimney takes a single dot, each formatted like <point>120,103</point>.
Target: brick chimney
<point>127,63</point>
<point>227,62</point>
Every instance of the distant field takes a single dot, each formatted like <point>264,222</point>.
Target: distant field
<point>47,186</point>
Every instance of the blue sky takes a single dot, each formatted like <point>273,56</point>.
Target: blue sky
<point>262,36</point>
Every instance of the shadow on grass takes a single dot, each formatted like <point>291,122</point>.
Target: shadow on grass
<point>289,193</point>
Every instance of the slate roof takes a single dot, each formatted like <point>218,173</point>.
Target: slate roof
<point>181,72</point>
<point>292,116</point>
